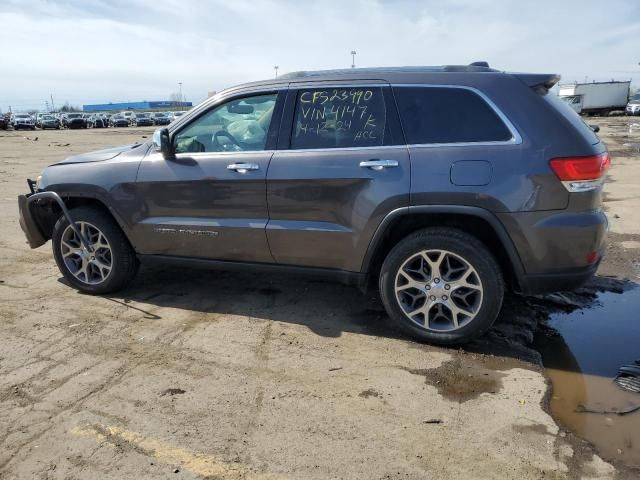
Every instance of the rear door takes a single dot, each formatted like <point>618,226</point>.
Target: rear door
<point>210,201</point>
<point>340,167</point>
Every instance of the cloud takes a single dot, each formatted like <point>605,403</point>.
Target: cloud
<point>90,52</point>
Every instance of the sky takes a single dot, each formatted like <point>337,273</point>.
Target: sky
<point>97,51</point>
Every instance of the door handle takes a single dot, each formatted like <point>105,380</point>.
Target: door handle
<point>379,164</point>
<point>243,167</point>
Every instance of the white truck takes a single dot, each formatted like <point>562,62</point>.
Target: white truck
<point>595,97</point>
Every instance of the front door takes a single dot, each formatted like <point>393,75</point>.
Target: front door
<point>210,202</point>
<point>340,167</point>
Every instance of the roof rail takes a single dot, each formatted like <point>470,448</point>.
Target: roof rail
<point>474,67</point>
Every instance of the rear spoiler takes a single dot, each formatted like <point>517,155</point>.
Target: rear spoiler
<point>540,82</point>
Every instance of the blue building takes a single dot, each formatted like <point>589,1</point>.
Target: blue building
<point>161,104</point>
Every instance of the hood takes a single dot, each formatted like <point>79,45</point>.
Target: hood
<point>98,155</point>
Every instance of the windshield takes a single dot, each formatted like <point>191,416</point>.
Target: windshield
<point>47,117</point>
<point>74,115</point>
<point>22,116</point>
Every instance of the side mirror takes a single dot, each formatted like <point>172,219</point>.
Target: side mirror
<point>162,142</point>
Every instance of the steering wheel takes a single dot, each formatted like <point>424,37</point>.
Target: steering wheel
<point>224,133</point>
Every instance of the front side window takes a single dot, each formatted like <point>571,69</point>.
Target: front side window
<point>238,125</point>
<point>339,118</point>
<point>448,115</point>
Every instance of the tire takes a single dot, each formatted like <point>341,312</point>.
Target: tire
<point>460,250</point>
<point>123,262</point>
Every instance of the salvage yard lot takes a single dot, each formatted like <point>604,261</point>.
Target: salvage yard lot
<point>205,374</point>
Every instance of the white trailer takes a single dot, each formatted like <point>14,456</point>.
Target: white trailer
<point>596,97</point>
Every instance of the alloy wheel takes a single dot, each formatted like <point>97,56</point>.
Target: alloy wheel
<point>91,267</point>
<point>438,290</point>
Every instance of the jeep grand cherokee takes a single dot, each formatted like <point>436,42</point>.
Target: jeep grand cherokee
<point>446,184</point>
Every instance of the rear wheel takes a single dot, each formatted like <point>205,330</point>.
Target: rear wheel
<point>110,263</point>
<point>441,285</point>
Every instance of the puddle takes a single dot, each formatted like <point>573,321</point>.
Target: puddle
<point>582,361</point>
<point>462,379</point>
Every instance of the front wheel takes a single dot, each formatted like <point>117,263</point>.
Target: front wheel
<point>108,265</point>
<point>441,285</point>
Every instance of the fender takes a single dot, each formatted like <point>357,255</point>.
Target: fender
<point>70,194</point>
<point>490,218</point>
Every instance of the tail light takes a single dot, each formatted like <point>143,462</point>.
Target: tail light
<point>581,174</point>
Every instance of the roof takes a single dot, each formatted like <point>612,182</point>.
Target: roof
<point>476,72</point>
<point>379,73</point>
<point>348,72</point>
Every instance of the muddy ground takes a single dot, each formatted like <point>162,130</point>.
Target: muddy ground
<point>201,374</point>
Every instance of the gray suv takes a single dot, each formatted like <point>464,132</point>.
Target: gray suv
<point>446,185</point>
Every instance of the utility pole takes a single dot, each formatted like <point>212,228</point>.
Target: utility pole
<point>353,59</point>
<point>53,107</point>
<point>180,84</point>
<point>276,67</point>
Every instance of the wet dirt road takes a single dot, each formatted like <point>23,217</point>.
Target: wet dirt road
<point>227,375</point>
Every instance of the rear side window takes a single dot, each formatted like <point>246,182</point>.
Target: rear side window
<point>448,115</point>
<point>564,109</point>
<point>339,118</point>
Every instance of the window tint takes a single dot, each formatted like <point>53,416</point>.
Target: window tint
<point>571,116</point>
<point>339,118</point>
<point>238,125</point>
<point>447,115</point>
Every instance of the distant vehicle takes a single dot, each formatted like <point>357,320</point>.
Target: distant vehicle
<point>4,122</point>
<point>23,120</point>
<point>48,121</point>
<point>178,114</point>
<point>128,115</point>
<point>39,119</point>
<point>170,116</point>
<point>160,118</point>
<point>633,107</point>
<point>118,121</point>
<point>74,120</point>
<point>142,120</point>
<point>96,121</point>
<point>599,98</point>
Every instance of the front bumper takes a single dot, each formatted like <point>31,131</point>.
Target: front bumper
<point>35,238</point>
<point>29,226</point>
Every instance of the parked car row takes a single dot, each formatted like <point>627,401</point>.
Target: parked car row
<point>86,120</point>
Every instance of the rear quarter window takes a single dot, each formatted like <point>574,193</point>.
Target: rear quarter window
<point>571,116</point>
<point>448,115</point>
